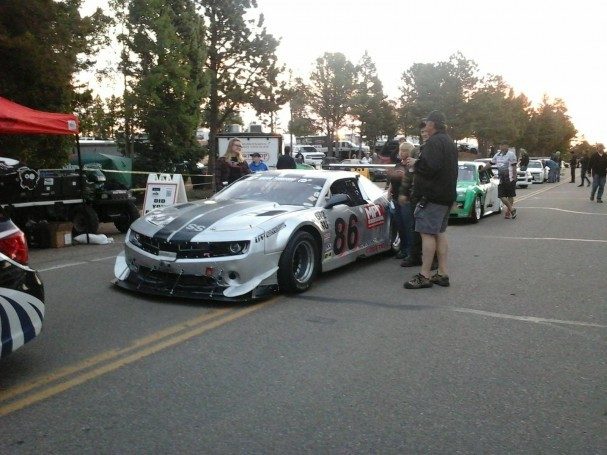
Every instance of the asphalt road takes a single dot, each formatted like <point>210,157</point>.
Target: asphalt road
<point>512,358</point>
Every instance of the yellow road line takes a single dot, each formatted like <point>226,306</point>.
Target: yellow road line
<point>105,356</point>
<point>535,193</point>
<point>87,376</point>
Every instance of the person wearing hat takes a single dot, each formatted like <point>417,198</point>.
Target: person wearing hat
<point>257,164</point>
<point>435,190</point>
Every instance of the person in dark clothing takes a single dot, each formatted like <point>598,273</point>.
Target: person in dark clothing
<point>524,161</point>
<point>286,161</point>
<point>231,166</point>
<point>415,255</point>
<point>390,149</point>
<point>435,188</point>
<point>584,169</point>
<point>572,166</point>
<point>598,167</point>
<point>400,184</point>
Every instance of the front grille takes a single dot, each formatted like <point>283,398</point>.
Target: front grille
<point>154,277</point>
<point>184,249</point>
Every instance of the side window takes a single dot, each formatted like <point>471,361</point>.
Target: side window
<point>349,187</point>
<point>484,176</point>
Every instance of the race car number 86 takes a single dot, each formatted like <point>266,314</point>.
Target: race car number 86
<point>345,237</point>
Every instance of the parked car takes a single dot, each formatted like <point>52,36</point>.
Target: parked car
<point>266,232</point>
<point>476,192</point>
<point>311,154</point>
<point>21,290</point>
<point>539,172</point>
<point>373,172</point>
<point>523,178</point>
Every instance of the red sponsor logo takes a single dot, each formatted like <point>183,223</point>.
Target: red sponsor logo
<point>375,215</point>
<point>376,248</point>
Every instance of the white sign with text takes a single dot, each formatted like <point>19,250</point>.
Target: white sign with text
<point>163,190</point>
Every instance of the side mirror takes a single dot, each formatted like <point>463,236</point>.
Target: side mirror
<point>337,199</point>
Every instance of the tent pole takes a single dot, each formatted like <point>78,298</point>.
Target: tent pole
<point>81,172</point>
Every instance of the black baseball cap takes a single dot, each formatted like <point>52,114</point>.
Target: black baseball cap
<point>255,154</point>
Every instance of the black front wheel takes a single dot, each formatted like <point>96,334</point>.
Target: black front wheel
<point>85,220</point>
<point>298,264</point>
<point>129,214</point>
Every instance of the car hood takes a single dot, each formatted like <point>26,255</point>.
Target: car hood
<point>465,184</point>
<point>191,219</point>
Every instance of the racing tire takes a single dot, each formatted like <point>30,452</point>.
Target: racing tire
<point>394,239</point>
<point>477,210</point>
<point>85,220</point>
<point>126,218</point>
<point>298,264</point>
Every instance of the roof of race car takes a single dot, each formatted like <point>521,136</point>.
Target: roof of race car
<point>477,164</point>
<point>303,173</point>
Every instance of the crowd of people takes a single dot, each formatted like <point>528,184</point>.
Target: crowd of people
<point>422,189</point>
<point>232,165</point>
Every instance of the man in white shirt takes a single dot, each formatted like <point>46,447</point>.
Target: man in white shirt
<point>506,160</point>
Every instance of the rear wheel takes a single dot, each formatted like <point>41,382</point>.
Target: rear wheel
<point>85,220</point>
<point>298,264</point>
<point>129,214</point>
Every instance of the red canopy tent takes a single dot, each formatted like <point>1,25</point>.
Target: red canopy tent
<point>18,119</point>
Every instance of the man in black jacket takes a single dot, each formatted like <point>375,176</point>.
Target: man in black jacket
<point>435,189</point>
<point>286,161</point>
<point>598,168</point>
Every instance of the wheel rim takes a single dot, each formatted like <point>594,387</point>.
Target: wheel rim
<point>477,208</point>
<point>303,262</point>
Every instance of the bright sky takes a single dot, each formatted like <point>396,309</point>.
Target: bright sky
<point>538,46</point>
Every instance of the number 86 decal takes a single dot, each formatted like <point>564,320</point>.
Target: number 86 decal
<point>343,236</point>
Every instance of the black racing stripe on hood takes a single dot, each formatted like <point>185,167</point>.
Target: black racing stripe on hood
<point>203,217</point>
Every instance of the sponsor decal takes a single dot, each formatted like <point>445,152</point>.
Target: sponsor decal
<point>274,230</point>
<point>328,254</point>
<point>195,227</point>
<point>269,233</point>
<point>376,248</point>
<point>375,215</point>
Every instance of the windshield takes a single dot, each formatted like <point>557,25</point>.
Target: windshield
<point>536,164</point>
<point>466,172</point>
<point>283,189</point>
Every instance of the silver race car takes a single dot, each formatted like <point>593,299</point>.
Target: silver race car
<point>266,232</point>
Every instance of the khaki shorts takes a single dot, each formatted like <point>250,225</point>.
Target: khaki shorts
<point>432,218</point>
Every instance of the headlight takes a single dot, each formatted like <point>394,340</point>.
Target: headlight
<point>134,238</point>
<point>236,248</point>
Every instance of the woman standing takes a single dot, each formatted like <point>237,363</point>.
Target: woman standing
<point>231,166</point>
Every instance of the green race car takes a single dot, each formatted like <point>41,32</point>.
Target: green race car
<point>476,192</point>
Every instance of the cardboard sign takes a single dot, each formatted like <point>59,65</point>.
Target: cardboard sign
<point>163,190</point>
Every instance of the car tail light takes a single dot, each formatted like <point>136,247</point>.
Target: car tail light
<point>15,247</point>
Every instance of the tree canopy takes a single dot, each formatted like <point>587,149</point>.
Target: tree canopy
<point>43,44</point>
<point>332,87</point>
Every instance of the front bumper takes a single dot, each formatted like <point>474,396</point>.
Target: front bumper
<point>224,279</point>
